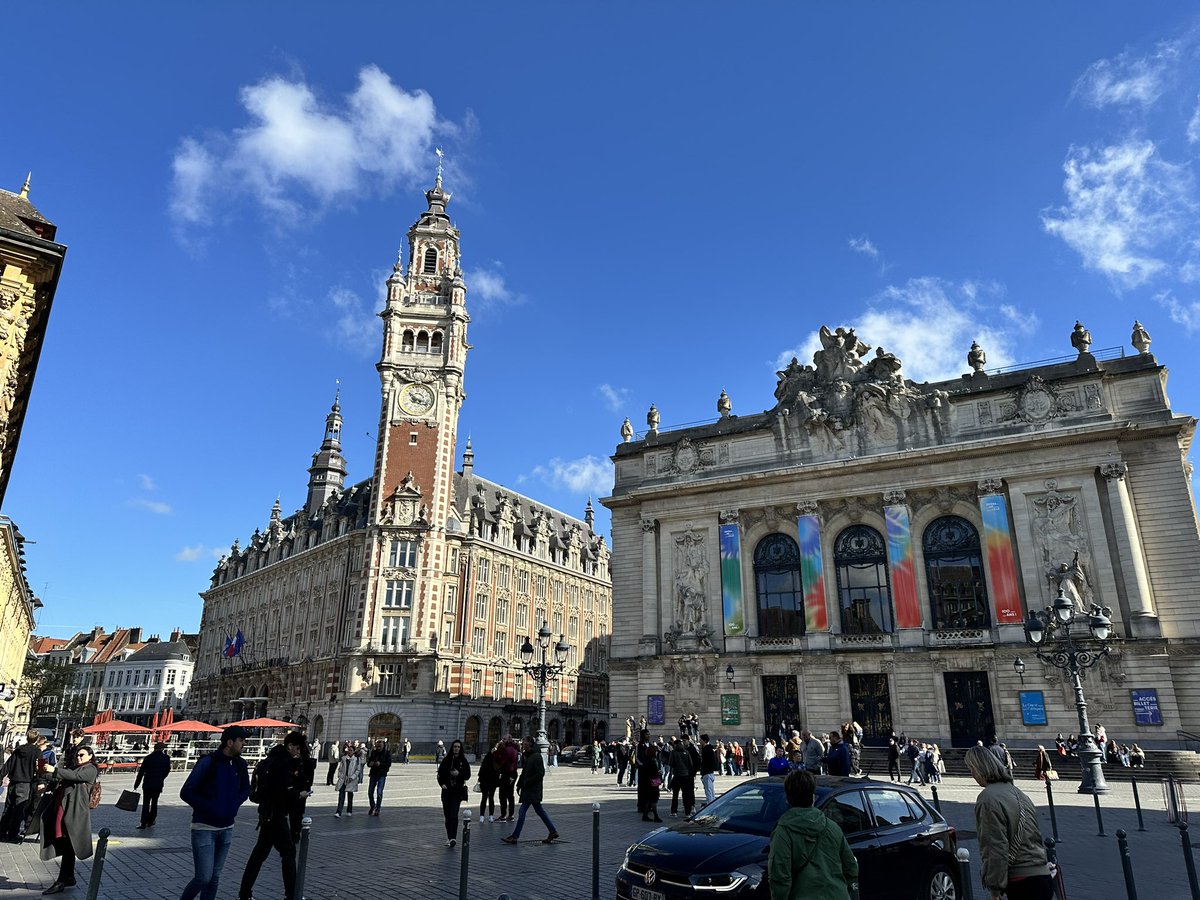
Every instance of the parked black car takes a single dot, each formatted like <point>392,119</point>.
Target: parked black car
<point>905,849</point>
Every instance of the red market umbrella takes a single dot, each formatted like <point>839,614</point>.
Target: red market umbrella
<point>115,726</point>
<point>262,723</point>
<point>189,725</point>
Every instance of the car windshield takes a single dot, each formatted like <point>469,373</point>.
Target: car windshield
<point>748,808</point>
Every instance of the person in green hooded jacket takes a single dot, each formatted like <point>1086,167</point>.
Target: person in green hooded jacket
<point>809,856</point>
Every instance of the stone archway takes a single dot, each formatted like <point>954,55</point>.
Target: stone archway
<point>552,730</point>
<point>495,726</point>
<point>471,735</point>
<point>516,727</point>
<point>318,728</point>
<point>385,727</point>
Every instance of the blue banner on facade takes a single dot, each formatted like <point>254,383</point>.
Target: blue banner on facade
<point>1033,708</point>
<point>655,714</point>
<point>1145,707</point>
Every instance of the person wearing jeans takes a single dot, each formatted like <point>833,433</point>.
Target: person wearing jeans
<point>216,788</point>
<point>529,786</point>
<point>708,769</point>
<point>210,846</point>
<point>378,764</point>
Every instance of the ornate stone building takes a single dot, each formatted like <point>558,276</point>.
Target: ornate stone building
<point>398,605</point>
<point>30,264</point>
<point>869,547</point>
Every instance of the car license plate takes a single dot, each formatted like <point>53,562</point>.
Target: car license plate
<point>641,893</point>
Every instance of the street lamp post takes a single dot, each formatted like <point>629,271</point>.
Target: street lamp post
<point>1054,623</point>
<point>542,672</point>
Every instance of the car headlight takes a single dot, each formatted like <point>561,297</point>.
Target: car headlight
<point>721,883</point>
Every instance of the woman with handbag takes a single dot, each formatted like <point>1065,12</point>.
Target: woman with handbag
<point>489,780</point>
<point>67,818</point>
<point>1043,767</point>
<point>453,775</point>
<point>349,776</point>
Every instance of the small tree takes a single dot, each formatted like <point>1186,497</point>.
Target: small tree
<point>47,684</point>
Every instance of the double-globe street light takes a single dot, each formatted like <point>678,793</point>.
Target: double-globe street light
<point>542,673</point>
<point>1054,624</point>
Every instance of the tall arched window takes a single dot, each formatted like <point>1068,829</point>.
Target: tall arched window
<point>860,559</point>
<point>430,266</point>
<point>406,341</point>
<point>435,342</point>
<point>778,586</point>
<point>954,569</point>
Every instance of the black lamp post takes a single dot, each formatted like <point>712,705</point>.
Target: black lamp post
<point>1054,623</point>
<point>542,672</point>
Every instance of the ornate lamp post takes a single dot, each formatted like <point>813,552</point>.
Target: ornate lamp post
<point>542,672</point>
<point>1054,623</point>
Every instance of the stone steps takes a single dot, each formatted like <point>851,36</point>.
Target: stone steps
<point>1183,765</point>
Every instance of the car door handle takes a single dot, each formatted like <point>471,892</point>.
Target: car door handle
<point>872,847</point>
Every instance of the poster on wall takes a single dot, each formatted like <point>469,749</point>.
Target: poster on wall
<point>731,581</point>
<point>1145,707</point>
<point>900,559</point>
<point>812,575</point>
<point>731,709</point>
<point>655,707</point>
<point>1033,708</point>
<point>1006,596</point>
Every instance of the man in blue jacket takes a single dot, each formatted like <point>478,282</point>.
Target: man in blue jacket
<point>215,790</point>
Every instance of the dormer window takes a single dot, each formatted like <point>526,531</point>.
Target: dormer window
<point>430,265</point>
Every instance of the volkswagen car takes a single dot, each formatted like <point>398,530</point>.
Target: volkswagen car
<point>905,849</point>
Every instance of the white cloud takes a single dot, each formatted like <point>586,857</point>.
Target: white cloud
<point>157,507</point>
<point>1129,79</point>
<point>1124,201</point>
<point>356,326</point>
<point>298,153</point>
<point>190,554</point>
<point>589,475</point>
<point>614,397</point>
<point>864,246</point>
<point>1193,125</point>
<point>1185,314</point>
<point>900,319</point>
<point>489,289</point>
<point>146,482</point>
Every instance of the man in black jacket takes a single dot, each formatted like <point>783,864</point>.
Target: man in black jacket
<point>154,770</point>
<point>708,769</point>
<point>379,763</point>
<point>279,776</point>
<point>684,761</point>
<point>21,769</point>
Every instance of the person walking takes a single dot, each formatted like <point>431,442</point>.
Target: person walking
<point>21,770</point>
<point>812,752</point>
<point>752,753</point>
<point>349,777</point>
<point>913,754</point>
<point>439,753</point>
<point>154,769</point>
<point>66,817</point>
<point>1043,766</point>
<point>334,754</point>
<point>596,754</point>
<point>708,769</point>
<point>893,757</point>
<point>507,760</point>
<point>1013,857</point>
<point>453,775</point>
<point>407,751</point>
<point>278,779</point>
<point>837,760</point>
<point>685,763</point>
<point>215,789</point>
<point>529,787</point>
<point>379,762</point>
<point>304,785</point>
<point>552,753</point>
<point>809,857</point>
<point>649,778</point>
<point>489,779</point>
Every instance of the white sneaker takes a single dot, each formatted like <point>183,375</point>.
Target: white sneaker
<point>481,820</point>
<point>350,813</point>
<point>490,819</point>
<point>337,815</point>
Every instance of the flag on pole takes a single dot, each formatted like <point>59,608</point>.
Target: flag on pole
<point>239,641</point>
<point>227,652</point>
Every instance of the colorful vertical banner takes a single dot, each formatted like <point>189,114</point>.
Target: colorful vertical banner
<point>812,573</point>
<point>900,567</point>
<point>1006,595</point>
<point>731,581</point>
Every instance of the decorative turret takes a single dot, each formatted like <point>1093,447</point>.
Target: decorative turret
<point>327,475</point>
<point>589,515</point>
<point>468,458</point>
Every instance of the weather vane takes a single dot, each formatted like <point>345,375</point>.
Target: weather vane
<point>441,158</point>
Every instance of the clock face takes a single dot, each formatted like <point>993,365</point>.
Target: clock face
<point>417,399</point>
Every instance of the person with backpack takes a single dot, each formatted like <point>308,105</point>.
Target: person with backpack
<point>66,823</point>
<point>274,787</point>
<point>21,771</point>
<point>308,774</point>
<point>154,770</point>
<point>215,790</point>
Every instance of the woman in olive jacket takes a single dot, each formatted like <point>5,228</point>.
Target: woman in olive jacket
<point>1010,840</point>
<point>67,818</point>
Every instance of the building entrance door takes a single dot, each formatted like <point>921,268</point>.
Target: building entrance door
<point>970,706</point>
<point>781,704</point>
<point>871,702</point>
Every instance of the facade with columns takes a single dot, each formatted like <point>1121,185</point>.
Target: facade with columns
<point>398,606</point>
<point>869,548</point>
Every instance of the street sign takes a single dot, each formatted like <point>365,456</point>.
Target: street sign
<point>731,709</point>
<point>1145,707</point>
<point>655,704</point>
<point>1033,708</point>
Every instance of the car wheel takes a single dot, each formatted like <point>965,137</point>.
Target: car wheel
<point>940,885</point>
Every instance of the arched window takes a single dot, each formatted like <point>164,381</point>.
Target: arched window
<point>954,569</point>
<point>385,727</point>
<point>435,342</point>
<point>778,586</point>
<point>406,342</point>
<point>422,341</point>
<point>430,266</point>
<point>860,559</point>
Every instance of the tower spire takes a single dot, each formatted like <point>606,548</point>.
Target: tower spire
<point>24,195</point>
<point>327,474</point>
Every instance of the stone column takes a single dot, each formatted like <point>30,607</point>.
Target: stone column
<point>1143,620</point>
<point>651,619</point>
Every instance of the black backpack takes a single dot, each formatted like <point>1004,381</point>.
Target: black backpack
<point>258,793</point>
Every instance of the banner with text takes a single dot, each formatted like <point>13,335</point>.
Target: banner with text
<point>731,581</point>
<point>1006,595</point>
<point>812,573</point>
<point>900,567</point>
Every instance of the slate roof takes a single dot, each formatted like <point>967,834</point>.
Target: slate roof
<point>19,215</point>
<point>160,651</point>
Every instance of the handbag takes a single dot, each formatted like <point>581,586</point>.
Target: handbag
<point>1051,775</point>
<point>464,795</point>
<point>478,788</point>
<point>128,801</point>
<point>94,794</point>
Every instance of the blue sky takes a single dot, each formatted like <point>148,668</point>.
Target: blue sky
<point>657,202</point>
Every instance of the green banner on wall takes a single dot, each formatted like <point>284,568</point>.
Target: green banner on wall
<point>731,709</point>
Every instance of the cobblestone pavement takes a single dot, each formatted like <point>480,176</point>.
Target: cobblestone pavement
<point>402,853</point>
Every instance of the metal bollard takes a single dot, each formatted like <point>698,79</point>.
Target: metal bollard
<point>1051,853</point>
<point>964,872</point>
<point>595,851</point>
<point>466,855</point>
<point>1189,861</point>
<point>937,804</point>
<point>1126,864</point>
<point>1137,802</point>
<point>93,890</point>
<point>302,855</point>
<point>1099,817</point>
<point>1053,817</point>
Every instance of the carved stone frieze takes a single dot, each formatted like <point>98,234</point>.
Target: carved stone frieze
<point>993,484</point>
<point>1036,402</point>
<point>808,508</point>
<point>691,581</point>
<point>796,667</point>
<point>887,666</point>
<point>688,458</point>
<point>893,497</point>
<point>648,525</point>
<point>728,517</point>
<point>1063,545</point>
<point>1114,471</point>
